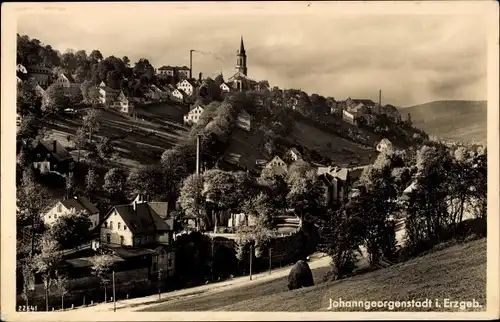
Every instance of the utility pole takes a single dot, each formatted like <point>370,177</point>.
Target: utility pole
<point>159,283</point>
<point>114,293</point>
<point>251,255</point>
<point>270,260</point>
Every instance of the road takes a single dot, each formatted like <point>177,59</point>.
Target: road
<point>322,264</point>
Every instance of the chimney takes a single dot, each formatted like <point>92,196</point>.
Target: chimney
<point>198,148</point>
<point>200,76</point>
<point>54,146</point>
<point>191,63</point>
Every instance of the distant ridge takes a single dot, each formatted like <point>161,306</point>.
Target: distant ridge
<point>464,121</point>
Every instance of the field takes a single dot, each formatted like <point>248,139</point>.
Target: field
<point>455,120</point>
<point>456,273</point>
<point>138,141</point>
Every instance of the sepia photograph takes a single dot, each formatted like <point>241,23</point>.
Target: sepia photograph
<point>203,158</point>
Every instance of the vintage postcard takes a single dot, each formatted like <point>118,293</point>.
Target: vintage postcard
<point>249,160</point>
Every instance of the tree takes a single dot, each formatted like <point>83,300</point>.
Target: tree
<point>61,282</point>
<point>70,184</point>
<point>305,193</point>
<point>28,102</point>
<point>261,208</point>
<point>91,181</point>
<point>95,55</point>
<point>72,230</point>
<point>114,183</point>
<point>277,187</point>
<point>191,199</point>
<point>101,265</point>
<point>147,180</point>
<point>105,149</point>
<point>46,263</point>
<point>80,141</point>
<point>54,100</point>
<point>126,61</point>
<point>93,95</point>
<point>27,270</point>
<point>31,200</point>
<point>91,122</point>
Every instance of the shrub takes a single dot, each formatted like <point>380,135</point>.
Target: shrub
<point>300,276</point>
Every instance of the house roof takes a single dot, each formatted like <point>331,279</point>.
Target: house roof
<point>182,68</point>
<point>294,150</point>
<point>166,68</point>
<point>363,101</point>
<point>85,261</point>
<point>68,76</point>
<point>385,141</point>
<point>60,153</point>
<point>147,218</point>
<point>80,204</point>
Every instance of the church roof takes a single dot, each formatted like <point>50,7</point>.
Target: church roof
<point>242,47</point>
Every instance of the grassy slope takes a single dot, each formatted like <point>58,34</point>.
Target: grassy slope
<point>457,273</point>
<point>456,120</point>
<point>137,147</point>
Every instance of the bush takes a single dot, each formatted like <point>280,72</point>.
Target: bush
<point>300,276</point>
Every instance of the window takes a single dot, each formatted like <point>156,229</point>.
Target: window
<point>108,238</point>
<point>119,225</point>
<point>105,224</point>
<point>124,227</point>
<point>169,262</point>
<point>59,208</point>
<point>55,216</point>
<point>50,216</point>
<point>155,266</point>
<point>138,240</point>
<point>122,240</point>
<point>110,225</point>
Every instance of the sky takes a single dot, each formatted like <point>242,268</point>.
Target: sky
<point>412,58</point>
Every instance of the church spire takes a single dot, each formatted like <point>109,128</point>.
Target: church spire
<point>242,47</point>
<point>241,59</point>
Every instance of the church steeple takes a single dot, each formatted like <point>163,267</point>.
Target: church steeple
<point>242,47</point>
<point>241,59</point>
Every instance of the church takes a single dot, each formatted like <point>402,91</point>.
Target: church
<point>240,81</point>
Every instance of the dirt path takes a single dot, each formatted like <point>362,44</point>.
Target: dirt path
<point>144,302</point>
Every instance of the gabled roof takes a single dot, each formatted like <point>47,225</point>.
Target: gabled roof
<point>68,76</point>
<point>193,107</point>
<point>182,68</point>
<point>385,141</point>
<point>60,153</point>
<point>80,204</point>
<point>363,101</point>
<point>166,68</point>
<point>148,217</point>
<point>189,81</point>
<point>294,150</point>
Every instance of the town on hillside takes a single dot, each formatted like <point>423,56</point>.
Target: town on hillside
<point>136,181</point>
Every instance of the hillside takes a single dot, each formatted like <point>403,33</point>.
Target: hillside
<point>139,141</point>
<point>442,274</point>
<point>454,120</point>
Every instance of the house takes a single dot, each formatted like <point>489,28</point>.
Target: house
<point>107,94</point>
<point>159,93</point>
<point>366,102</point>
<point>40,73</point>
<point>383,145</point>
<point>244,121</point>
<point>53,155</point>
<point>295,154</point>
<point>179,95</point>
<point>241,220</point>
<point>39,91</point>
<point>225,87</point>
<point>166,71</point>
<point>19,80</point>
<point>338,182</point>
<point>349,117</point>
<point>67,84</point>
<point>194,115</point>
<point>19,120</point>
<point>71,206</point>
<point>278,166</point>
<point>21,69</point>
<point>186,86</point>
<point>122,103</point>
<point>140,223</point>
<point>140,226</point>
<point>182,72</point>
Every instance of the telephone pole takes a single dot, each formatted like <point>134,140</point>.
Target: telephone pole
<point>114,293</point>
<point>159,283</point>
<point>251,255</point>
<point>270,260</point>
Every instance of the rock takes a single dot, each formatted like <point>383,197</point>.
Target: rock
<point>300,276</point>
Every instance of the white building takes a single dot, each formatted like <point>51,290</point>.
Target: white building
<point>186,86</point>
<point>71,206</point>
<point>194,115</point>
